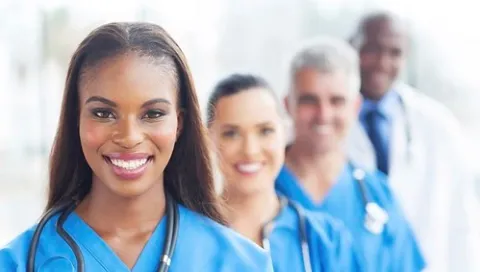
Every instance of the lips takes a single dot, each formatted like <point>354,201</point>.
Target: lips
<point>323,129</point>
<point>128,166</point>
<point>250,168</point>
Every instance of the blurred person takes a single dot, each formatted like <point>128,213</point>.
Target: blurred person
<point>131,185</point>
<point>323,102</point>
<point>247,131</point>
<point>417,142</point>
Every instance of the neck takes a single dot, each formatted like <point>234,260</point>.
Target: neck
<point>248,214</point>
<point>316,172</point>
<point>107,212</point>
<point>374,96</point>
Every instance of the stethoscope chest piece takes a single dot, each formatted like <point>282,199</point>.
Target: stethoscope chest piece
<point>375,218</point>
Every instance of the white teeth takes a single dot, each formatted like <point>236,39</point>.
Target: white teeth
<point>130,164</point>
<point>249,168</point>
<point>323,129</point>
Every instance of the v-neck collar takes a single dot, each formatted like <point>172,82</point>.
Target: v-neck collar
<point>87,238</point>
<point>287,184</point>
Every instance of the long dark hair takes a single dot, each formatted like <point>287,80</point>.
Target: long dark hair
<point>188,176</point>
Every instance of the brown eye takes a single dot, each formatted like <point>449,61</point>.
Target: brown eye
<point>307,100</point>
<point>154,114</point>
<point>229,134</point>
<point>267,131</point>
<point>102,114</point>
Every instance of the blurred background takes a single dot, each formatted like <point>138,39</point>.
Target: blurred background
<point>37,39</point>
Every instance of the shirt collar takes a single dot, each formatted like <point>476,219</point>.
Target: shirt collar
<point>386,105</point>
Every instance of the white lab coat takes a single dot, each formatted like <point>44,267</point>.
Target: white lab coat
<point>431,178</point>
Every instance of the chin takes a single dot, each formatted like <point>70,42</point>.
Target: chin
<point>129,189</point>
<point>246,190</point>
<point>325,148</point>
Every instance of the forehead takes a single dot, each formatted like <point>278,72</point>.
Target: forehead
<point>127,78</point>
<point>311,81</point>
<point>384,30</point>
<point>247,107</point>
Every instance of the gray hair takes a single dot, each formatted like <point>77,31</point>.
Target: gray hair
<point>328,55</point>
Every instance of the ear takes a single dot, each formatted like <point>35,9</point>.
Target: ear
<point>287,104</point>
<point>358,100</point>
<point>180,118</point>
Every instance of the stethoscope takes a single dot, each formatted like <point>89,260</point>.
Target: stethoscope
<point>266,230</point>
<point>67,209</point>
<point>375,216</point>
<point>408,131</point>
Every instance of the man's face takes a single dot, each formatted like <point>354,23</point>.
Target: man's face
<point>322,108</point>
<point>382,55</point>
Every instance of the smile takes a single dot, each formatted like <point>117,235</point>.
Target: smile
<point>248,168</point>
<point>128,166</point>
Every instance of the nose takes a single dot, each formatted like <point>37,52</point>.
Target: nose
<point>383,61</point>
<point>251,145</point>
<point>127,133</point>
<point>324,112</point>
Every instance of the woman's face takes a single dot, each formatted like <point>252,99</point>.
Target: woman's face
<point>129,121</point>
<point>250,139</point>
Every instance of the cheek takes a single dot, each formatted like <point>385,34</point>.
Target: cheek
<point>92,135</point>
<point>367,60</point>
<point>343,118</point>
<point>228,152</point>
<point>304,115</point>
<point>275,150</point>
<point>164,134</point>
<point>397,63</point>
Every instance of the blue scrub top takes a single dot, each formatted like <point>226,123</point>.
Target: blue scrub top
<point>202,245</point>
<point>329,241</point>
<point>395,249</point>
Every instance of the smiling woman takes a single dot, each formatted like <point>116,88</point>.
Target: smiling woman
<point>130,169</point>
<point>245,124</point>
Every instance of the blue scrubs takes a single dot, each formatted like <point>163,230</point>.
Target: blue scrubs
<point>395,249</point>
<point>202,245</point>
<point>330,243</point>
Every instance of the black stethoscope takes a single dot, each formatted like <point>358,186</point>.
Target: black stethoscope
<point>66,209</point>
<point>266,230</point>
<point>375,216</point>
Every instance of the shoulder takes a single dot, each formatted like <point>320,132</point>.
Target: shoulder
<point>377,189</point>
<point>427,108</point>
<point>335,239</point>
<point>13,257</point>
<point>325,225</point>
<point>221,246</point>
<point>377,184</point>
<point>15,254</point>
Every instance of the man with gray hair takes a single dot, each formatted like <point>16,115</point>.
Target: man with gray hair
<point>416,142</point>
<point>323,102</point>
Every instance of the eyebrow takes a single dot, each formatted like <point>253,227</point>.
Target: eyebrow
<point>231,126</point>
<point>155,101</point>
<point>113,104</point>
<point>100,99</point>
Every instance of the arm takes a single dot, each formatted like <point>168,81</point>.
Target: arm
<point>7,261</point>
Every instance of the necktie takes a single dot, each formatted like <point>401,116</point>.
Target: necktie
<point>374,118</point>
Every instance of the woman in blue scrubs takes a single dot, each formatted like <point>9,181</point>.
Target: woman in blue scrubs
<point>323,102</point>
<point>130,177</point>
<point>245,124</point>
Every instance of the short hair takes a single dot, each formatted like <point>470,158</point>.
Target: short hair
<point>400,23</point>
<point>328,55</point>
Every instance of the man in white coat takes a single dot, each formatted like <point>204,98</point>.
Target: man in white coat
<point>418,143</point>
